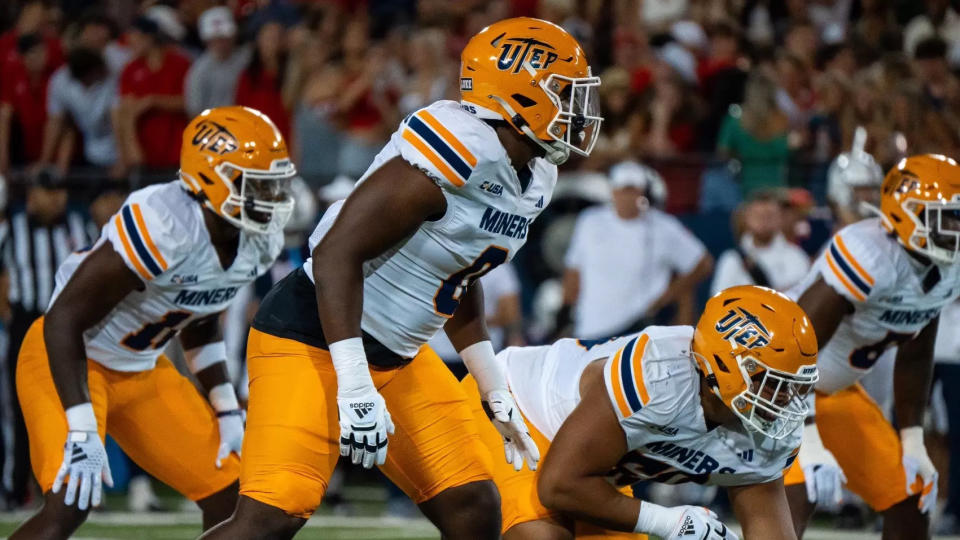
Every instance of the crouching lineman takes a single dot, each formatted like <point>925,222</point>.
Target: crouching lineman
<point>169,262</point>
<point>450,197</point>
<point>880,283</point>
<point>719,404</point>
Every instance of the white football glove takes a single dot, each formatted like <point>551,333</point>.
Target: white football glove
<point>822,474</point>
<point>231,434</point>
<point>682,523</point>
<point>230,420</point>
<point>85,462</point>
<point>517,443</point>
<point>364,419</point>
<point>916,463</point>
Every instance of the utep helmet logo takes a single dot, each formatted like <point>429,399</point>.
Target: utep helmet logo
<point>515,52</point>
<point>743,328</point>
<point>215,138</point>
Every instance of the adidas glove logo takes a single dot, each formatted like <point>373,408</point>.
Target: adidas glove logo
<point>78,455</point>
<point>688,528</point>
<point>362,408</point>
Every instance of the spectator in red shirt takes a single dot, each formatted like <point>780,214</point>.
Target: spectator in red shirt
<point>261,84</point>
<point>33,18</point>
<point>23,98</point>
<point>151,116</point>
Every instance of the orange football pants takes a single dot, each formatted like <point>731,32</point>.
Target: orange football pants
<point>292,441</point>
<point>157,417</point>
<point>867,448</point>
<point>519,502</point>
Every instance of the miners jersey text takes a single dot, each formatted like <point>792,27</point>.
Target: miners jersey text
<point>160,234</point>
<point>894,296</point>
<point>654,388</point>
<point>411,290</point>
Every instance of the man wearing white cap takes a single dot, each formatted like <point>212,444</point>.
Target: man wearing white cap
<point>212,80</point>
<point>629,260</point>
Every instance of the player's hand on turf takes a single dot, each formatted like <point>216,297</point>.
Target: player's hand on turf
<point>696,522</point>
<point>364,425</point>
<point>231,434</point>
<point>517,443</point>
<point>921,474</point>
<point>822,474</point>
<point>85,462</point>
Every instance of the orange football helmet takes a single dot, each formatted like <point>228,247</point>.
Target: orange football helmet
<point>920,204</point>
<point>758,352</point>
<point>235,161</point>
<point>534,75</point>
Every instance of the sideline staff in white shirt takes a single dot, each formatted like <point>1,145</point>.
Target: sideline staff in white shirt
<point>629,260</point>
<point>764,257</point>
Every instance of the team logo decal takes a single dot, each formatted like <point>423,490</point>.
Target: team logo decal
<point>744,328</point>
<point>214,137</point>
<point>515,52</point>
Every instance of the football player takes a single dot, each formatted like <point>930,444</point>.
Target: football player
<point>451,196</point>
<point>853,178</point>
<point>880,283</point>
<point>719,404</point>
<point>167,263</point>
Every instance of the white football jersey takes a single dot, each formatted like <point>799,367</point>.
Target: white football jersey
<point>654,388</point>
<point>160,233</point>
<point>894,297</point>
<point>411,290</point>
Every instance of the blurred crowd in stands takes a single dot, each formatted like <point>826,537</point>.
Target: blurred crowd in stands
<point>717,113</point>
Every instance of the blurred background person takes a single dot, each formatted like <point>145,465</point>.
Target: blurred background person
<point>854,178</point>
<point>763,256</point>
<point>212,78</point>
<point>151,107</point>
<point>630,264</point>
<point>754,133</point>
<point>42,233</point>
<point>261,83</point>
<point>23,102</point>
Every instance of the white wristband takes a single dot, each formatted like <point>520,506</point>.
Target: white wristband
<point>483,365</point>
<point>200,358</point>
<point>911,439</point>
<point>81,418</point>
<point>223,398</point>
<point>654,519</point>
<point>350,363</point>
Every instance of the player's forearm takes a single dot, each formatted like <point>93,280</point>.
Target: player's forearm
<point>589,498</point>
<point>912,376</point>
<point>339,287</point>
<point>468,324</point>
<point>63,336</point>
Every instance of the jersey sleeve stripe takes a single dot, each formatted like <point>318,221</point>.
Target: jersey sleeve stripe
<point>137,242</point>
<point>455,160</point>
<point>621,402</point>
<point>851,274</point>
<point>145,233</point>
<point>846,283</point>
<point>448,137</point>
<point>626,377</point>
<point>638,351</point>
<point>131,256</point>
<point>853,261</point>
<point>446,171</point>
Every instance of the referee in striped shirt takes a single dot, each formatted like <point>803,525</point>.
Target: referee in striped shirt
<point>38,236</point>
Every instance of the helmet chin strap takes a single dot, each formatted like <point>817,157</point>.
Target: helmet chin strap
<point>555,153</point>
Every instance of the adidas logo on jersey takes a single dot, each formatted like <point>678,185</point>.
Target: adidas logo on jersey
<point>688,528</point>
<point>362,409</point>
<point>540,202</point>
<point>746,455</point>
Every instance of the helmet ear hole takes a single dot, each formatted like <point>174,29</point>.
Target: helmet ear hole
<point>723,367</point>
<point>523,100</point>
